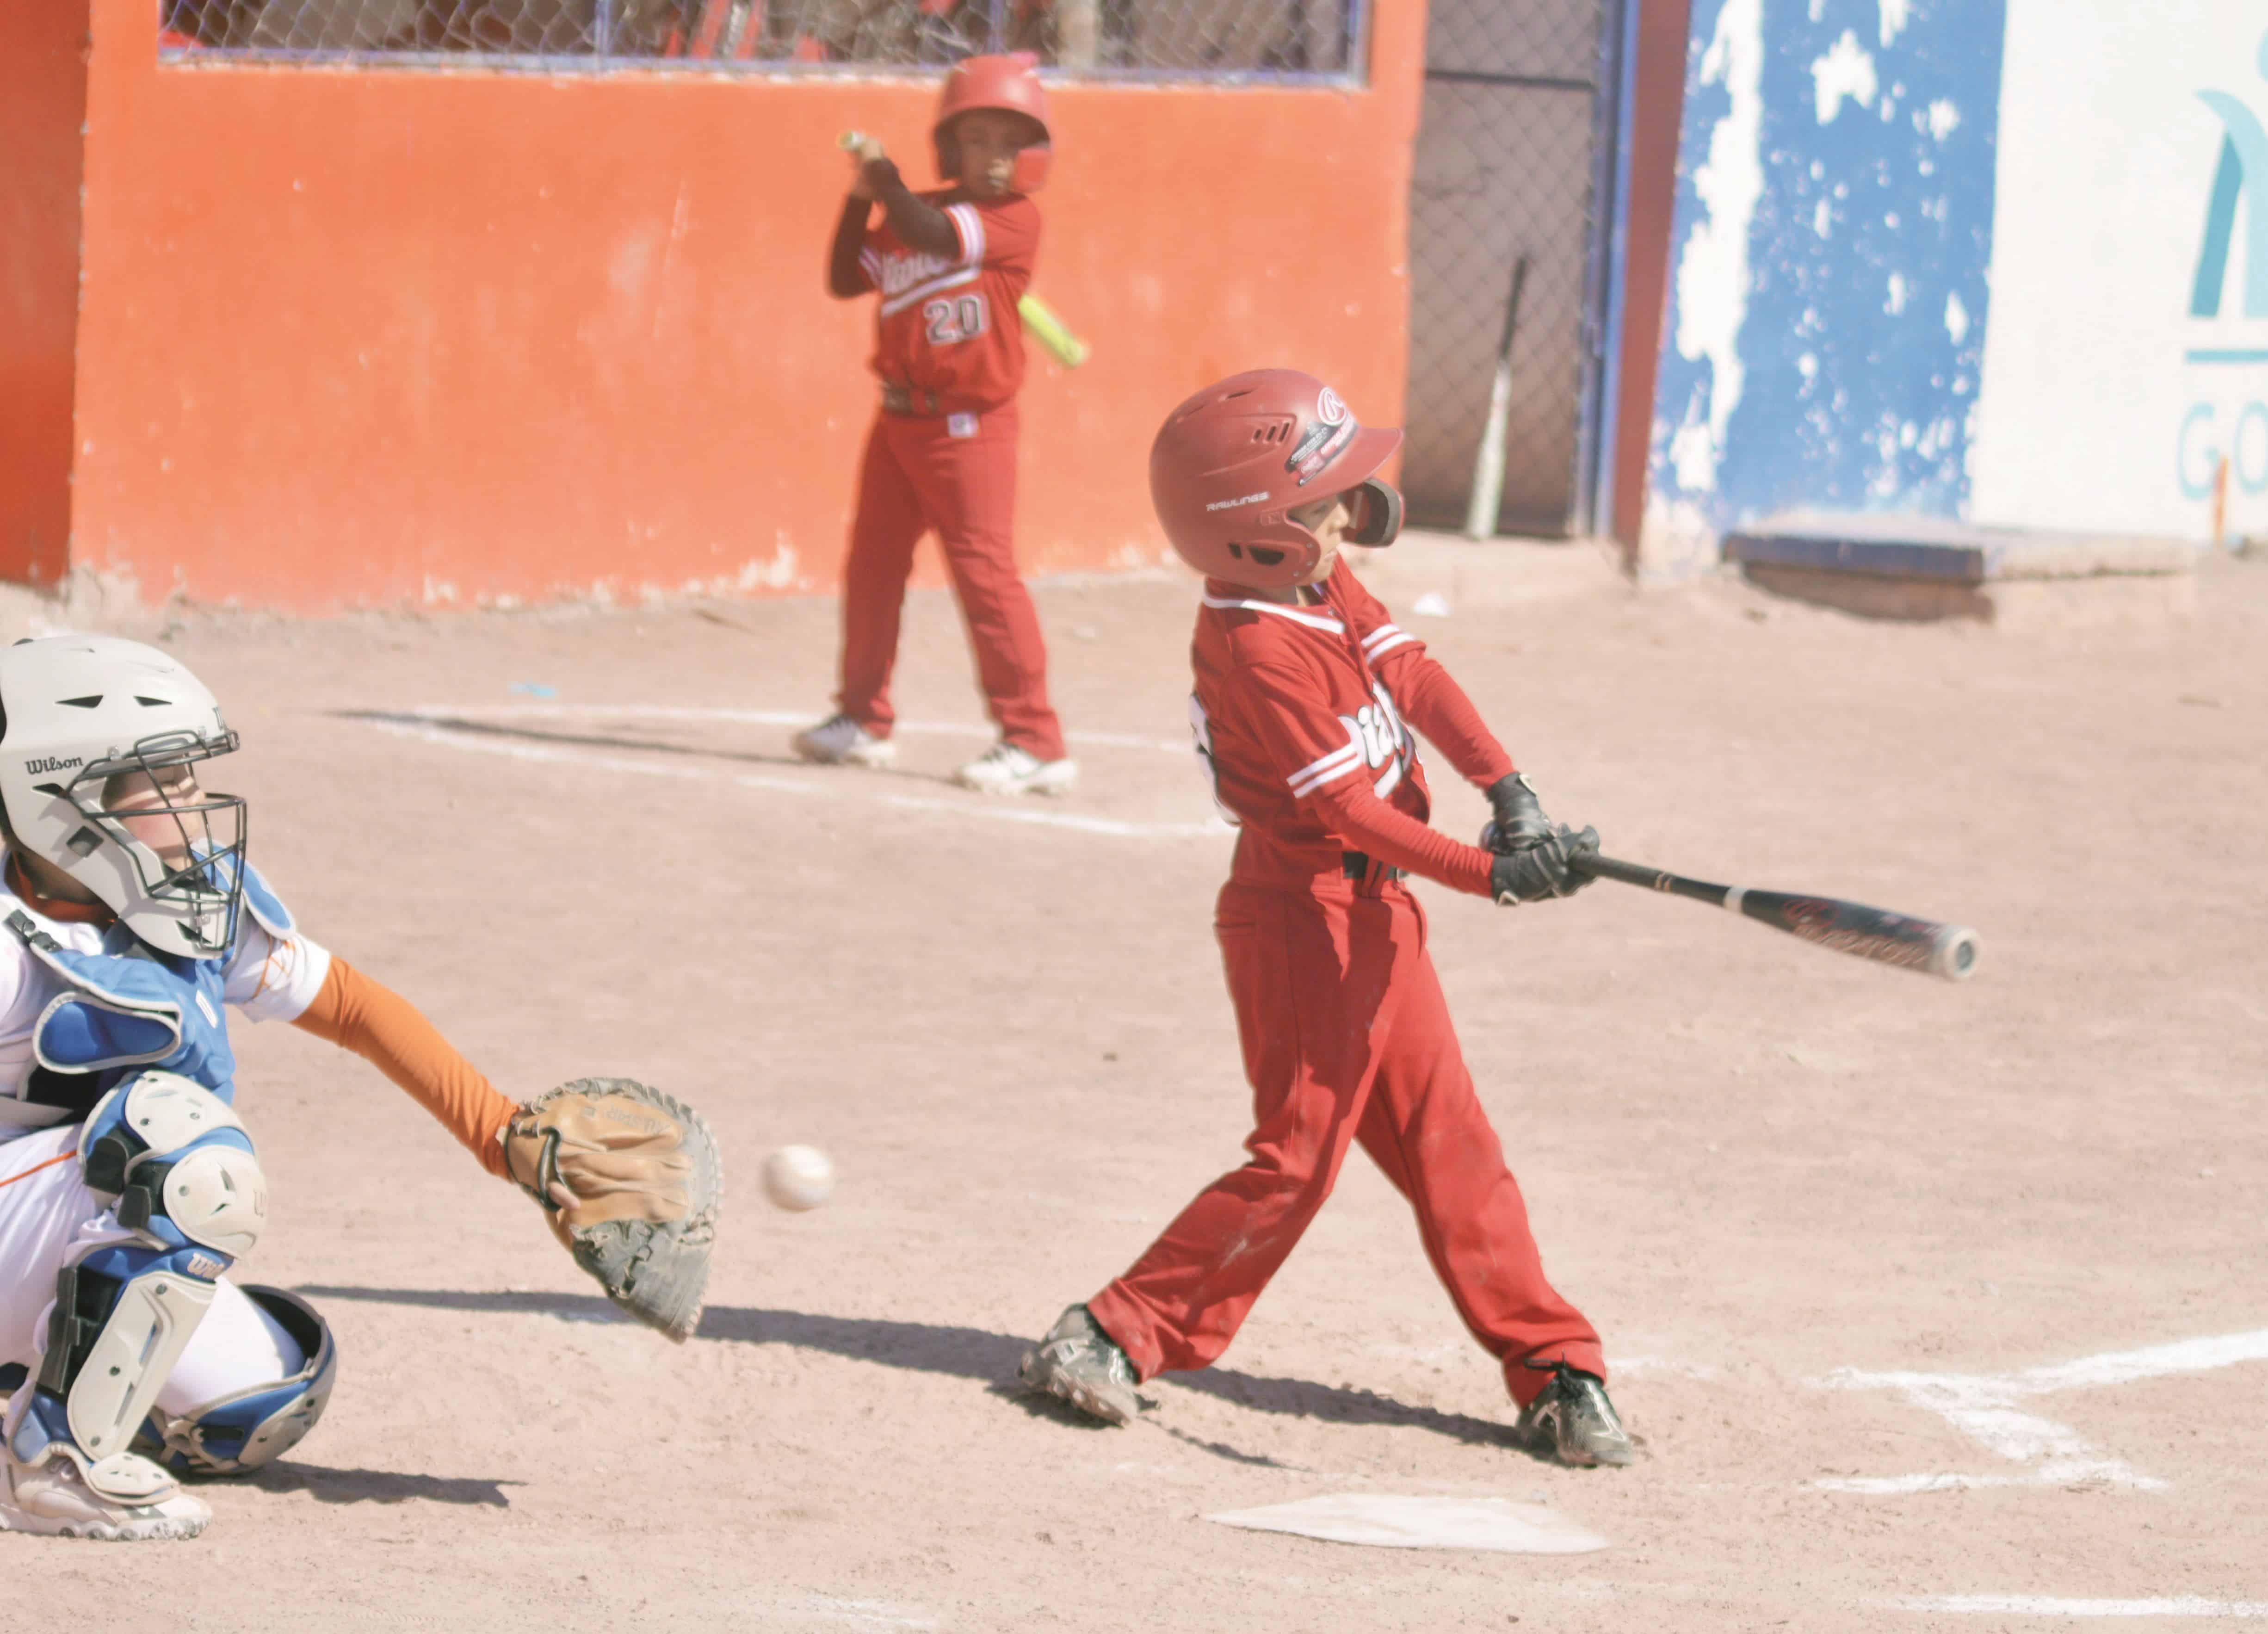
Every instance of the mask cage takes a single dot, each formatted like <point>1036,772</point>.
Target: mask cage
<point>205,893</point>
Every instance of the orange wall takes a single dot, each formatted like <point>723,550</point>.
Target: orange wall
<point>42,101</point>
<point>357,338</point>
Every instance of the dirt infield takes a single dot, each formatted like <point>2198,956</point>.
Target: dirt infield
<point>1868,1250</point>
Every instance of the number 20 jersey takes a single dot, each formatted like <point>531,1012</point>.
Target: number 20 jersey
<point>948,325</point>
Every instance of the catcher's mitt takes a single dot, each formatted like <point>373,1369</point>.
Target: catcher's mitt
<point>630,1179</point>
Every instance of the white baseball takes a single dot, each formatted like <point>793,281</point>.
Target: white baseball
<point>798,1177</point>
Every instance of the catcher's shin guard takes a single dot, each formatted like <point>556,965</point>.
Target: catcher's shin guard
<point>236,1435</point>
<point>190,1199</point>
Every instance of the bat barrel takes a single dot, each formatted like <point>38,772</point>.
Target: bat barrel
<point>1947,951</point>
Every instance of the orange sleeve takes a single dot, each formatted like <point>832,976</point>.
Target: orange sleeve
<point>390,1032</point>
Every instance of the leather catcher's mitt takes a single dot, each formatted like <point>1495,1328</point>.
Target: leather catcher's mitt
<point>629,1179</point>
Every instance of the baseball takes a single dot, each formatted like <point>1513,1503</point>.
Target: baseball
<point>798,1177</point>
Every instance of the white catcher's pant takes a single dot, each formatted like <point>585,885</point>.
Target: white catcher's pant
<point>45,1208</point>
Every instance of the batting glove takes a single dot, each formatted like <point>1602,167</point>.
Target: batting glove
<point>1541,872</point>
<point>1520,822</point>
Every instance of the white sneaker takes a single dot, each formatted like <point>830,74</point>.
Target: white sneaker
<point>139,1502</point>
<point>1004,769</point>
<point>838,740</point>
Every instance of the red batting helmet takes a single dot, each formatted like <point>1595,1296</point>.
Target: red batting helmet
<point>1232,463</point>
<point>1010,83</point>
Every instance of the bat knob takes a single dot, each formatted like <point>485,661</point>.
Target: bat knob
<point>1953,953</point>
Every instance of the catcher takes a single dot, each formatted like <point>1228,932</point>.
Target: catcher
<point>1303,687</point>
<point>128,1185</point>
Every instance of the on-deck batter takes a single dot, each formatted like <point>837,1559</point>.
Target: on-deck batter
<point>1306,692</point>
<point>949,266</point>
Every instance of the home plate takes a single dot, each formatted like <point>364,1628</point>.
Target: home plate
<point>1386,1521</point>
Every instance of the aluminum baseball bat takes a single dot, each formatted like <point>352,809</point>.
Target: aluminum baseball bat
<point>1949,951</point>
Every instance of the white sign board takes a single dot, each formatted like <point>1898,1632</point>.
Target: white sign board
<point>2126,349</point>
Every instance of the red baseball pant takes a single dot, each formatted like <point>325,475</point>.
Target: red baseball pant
<point>916,476</point>
<point>1346,1037</point>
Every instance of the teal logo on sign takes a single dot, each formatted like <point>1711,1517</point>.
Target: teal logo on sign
<point>2243,169</point>
<point>2220,452</point>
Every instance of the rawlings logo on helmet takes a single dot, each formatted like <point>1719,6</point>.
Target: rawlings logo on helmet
<point>1230,504</point>
<point>1328,407</point>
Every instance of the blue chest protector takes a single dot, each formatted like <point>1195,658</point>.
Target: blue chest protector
<point>128,1007</point>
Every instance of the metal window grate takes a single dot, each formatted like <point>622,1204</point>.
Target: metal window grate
<point>1510,163</point>
<point>1260,42</point>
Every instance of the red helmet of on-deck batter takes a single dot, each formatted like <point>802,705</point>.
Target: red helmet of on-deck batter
<point>1232,463</point>
<point>1010,83</point>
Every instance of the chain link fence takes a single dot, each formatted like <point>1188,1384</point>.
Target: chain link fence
<point>1510,165</point>
<point>1261,40</point>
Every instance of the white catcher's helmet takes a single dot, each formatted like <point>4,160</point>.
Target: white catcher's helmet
<point>78,711</point>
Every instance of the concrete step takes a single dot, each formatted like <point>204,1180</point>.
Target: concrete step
<point>1920,568</point>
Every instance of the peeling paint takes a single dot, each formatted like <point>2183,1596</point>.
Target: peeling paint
<point>1806,243</point>
<point>1846,71</point>
<point>1713,273</point>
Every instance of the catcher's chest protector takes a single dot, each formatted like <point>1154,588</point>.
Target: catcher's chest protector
<point>119,1011</point>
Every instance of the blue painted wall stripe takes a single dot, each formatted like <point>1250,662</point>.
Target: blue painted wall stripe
<point>1857,361</point>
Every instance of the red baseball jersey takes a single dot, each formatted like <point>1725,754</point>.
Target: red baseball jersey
<point>1302,716</point>
<point>949,326</point>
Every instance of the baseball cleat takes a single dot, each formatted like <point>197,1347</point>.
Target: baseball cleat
<point>1573,1422</point>
<point>1084,1366</point>
<point>1004,769</point>
<point>142,1505</point>
<point>838,740</point>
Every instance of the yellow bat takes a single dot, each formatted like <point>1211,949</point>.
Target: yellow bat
<point>1052,333</point>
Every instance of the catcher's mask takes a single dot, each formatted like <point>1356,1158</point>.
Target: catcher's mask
<point>1241,472</point>
<point>99,743</point>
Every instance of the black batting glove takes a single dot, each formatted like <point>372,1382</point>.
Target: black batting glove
<point>1543,870</point>
<point>1535,875</point>
<point>1520,822</point>
<point>1579,843</point>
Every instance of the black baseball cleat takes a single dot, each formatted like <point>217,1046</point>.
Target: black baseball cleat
<point>1573,1422</point>
<point>1083,1365</point>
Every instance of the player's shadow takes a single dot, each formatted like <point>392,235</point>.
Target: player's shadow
<point>377,1486</point>
<point>467,727</point>
<point>966,1353</point>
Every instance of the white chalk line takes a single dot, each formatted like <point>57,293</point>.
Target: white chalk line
<point>837,784</point>
<point>1984,1407</point>
<point>2055,1605</point>
<point>763,717</point>
<point>862,1613</point>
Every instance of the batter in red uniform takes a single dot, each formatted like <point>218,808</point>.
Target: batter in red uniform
<point>949,266</point>
<point>1306,695</point>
